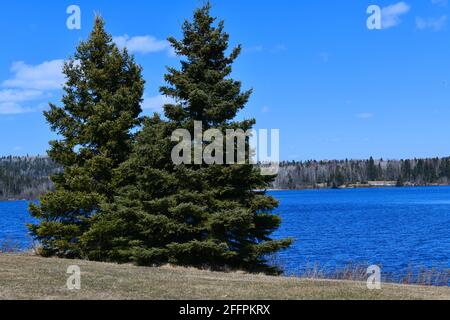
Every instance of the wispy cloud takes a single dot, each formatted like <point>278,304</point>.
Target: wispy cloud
<point>279,48</point>
<point>156,103</point>
<point>11,100</point>
<point>442,3</point>
<point>260,48</point>
<point>13,108</point>
<point>365,115</point>
<point>390,15</point>
<point>45,76</point>
<point>435,24</point>
<point>143,44</point>
<point>19,95</point>
<point>29,84</point>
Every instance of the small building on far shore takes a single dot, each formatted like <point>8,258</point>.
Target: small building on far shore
<point>382,183</point>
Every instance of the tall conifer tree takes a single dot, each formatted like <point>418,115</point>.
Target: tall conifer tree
<point>239,218</point>
<point>100,107</point>
<point>191,214</point>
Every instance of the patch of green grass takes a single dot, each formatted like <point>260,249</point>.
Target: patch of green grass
<point>30,277</point>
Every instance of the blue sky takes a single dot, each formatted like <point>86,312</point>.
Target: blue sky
<point>333,87</point>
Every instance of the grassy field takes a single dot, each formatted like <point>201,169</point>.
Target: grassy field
<point>29,277</point>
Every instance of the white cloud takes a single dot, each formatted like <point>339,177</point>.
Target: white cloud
<point>16,108</point>
<point>365,115</point>
<point>13,108</point>
<point>45,76</point>
<point>435,24</point>
<point>265,109</point>
<point>156,103</point>
<point>29,84</point>
<point>390,15</point>
<point>143,44</point>
<point>19,95</point>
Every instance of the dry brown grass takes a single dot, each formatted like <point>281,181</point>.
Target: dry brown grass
<point>30,277</point>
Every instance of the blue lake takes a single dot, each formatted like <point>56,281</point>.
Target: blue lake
<point>399,229</point>
<point>396,228</point>
<point>14,216</point>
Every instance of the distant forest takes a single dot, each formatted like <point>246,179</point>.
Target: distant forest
<point>25,177</point>
<point>354,173</point>
<point>29,177</point>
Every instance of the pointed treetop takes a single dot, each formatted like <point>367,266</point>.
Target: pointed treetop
<point>203,89</point>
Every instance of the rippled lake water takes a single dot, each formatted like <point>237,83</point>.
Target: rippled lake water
<point>14,217</point>
<point>396,228</point>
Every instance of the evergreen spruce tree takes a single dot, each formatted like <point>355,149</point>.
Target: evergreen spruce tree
<point>372,173</point>
<point>197,215</point>
<point>101,106</point>
<point>239,221</point>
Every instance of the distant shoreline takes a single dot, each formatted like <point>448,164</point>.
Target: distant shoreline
<point>353,186</point>
<point>362,186</point>
<point>17,200</point>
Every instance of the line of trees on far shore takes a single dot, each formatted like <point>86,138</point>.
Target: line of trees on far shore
<point>25,177</point>
<point>29,177</point>
<point>338,173</point>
